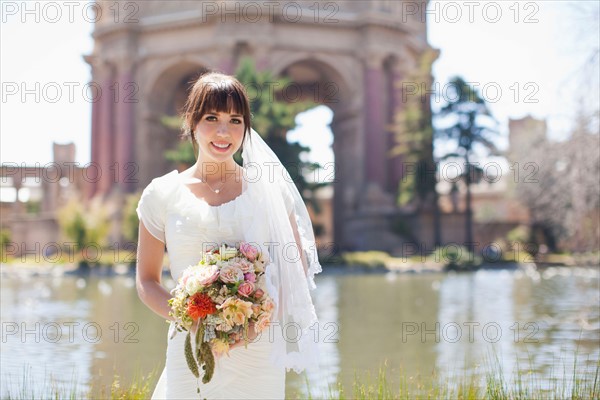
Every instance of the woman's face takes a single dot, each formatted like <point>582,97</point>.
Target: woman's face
<point>219,135</point>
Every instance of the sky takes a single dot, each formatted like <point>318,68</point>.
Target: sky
<point>524,57</point>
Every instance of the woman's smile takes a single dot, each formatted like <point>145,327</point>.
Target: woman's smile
<point>221,146</point>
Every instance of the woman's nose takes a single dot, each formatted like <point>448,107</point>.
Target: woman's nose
<point>222,128</point>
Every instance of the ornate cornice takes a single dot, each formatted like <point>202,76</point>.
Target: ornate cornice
<point>193,18</point>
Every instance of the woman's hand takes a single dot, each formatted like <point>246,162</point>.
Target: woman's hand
<point>240,340</point>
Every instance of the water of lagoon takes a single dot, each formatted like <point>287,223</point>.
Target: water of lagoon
<point>84,330</point>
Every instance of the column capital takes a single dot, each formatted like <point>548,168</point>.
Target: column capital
<point>125,64</point>
<point>373,59</point>
<point>97,62</point>
<point>403,65</point>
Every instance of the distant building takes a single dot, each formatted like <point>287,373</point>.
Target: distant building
<point>524,132</point>
<point>31,195</point>
<point>495,209</point>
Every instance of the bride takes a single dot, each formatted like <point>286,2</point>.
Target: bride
<point>218,201</point>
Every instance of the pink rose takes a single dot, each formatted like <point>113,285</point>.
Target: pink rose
<point>246,289</point>
<point>231,274</point>
<point>246,266</point>
<point>249,251</point>
<point>250,277</point>
<point>259,293</point>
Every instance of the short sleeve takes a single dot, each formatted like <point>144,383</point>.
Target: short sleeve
<point>151,211</point>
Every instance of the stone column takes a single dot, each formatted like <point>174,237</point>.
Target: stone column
<point>17,207</point>
<point>50,199</point>
<point>395,165</point>
<point>347,173</point>
<point>375,144</point>
<point>106,155</point>
<point>96,99</point>
<point>125,172</point>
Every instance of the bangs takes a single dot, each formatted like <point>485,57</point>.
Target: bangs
<point>222,97</point>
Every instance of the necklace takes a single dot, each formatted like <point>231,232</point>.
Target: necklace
<point>219,189</point>
<point>216,191</point>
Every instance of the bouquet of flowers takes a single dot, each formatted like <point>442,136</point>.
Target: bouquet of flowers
<point>222,295</point>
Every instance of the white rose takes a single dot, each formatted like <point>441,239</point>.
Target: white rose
<point>192,285</point>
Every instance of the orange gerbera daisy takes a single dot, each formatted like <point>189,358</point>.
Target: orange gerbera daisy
<point>200,305</point>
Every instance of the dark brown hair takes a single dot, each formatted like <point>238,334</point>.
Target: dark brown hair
<point>212,92</point>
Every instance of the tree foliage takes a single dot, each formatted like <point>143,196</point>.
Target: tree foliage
<point>466,121</point>
<point>413,137</point>
<point>84,225</point>
<point>560,185</point>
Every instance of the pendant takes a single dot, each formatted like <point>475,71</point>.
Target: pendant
<point>217,191</point>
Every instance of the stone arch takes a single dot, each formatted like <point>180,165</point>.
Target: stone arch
<point>323,83</point>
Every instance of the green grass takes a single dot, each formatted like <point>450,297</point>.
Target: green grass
<point>141,387</point>
<point>492,384</point>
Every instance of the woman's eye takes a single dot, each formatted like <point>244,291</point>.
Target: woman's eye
<point>210,118</point>
<point>237,121</point>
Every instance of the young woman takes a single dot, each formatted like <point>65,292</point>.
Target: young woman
<point>218,201</point>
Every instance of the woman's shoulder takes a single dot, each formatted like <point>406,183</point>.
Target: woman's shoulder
<point>168,177</point>
<point>163,185</point>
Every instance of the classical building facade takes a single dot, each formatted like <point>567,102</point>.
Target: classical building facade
<point>349,55</point>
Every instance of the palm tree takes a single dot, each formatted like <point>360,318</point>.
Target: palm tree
<point>467,121</point>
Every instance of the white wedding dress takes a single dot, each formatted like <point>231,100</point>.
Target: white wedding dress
<point>185,223</point>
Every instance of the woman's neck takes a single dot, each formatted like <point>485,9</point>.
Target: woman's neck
<point>212,171</point>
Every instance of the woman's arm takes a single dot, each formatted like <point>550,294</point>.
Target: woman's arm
<point>150,253</point>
